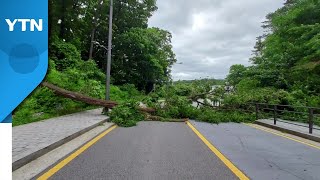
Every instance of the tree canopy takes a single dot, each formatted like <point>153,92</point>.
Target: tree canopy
<point>287,56</point>
<point>141,56</point>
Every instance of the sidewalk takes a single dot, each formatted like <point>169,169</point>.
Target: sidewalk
<point>298,128</point>
<point>33,140</point>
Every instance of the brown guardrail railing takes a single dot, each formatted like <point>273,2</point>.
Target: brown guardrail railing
<point>308,114</point>
<point>277,109</point>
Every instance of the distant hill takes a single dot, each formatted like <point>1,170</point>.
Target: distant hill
<point>213,81</point>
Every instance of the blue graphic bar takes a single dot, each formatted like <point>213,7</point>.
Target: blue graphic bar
<point>8,119</point>
<point>23,51</point>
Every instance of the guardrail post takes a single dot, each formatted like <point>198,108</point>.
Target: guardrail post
<point>310,120</point>
<point>274,114</point>
<point>257,111</point>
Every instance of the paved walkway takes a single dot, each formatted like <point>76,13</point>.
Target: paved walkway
<point>32,140</point>
<point>296,128</point>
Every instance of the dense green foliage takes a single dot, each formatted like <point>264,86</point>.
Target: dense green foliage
<point>178,101</point>
<point>143,57</point>
<point>286,62</point>
<point>140,55</point>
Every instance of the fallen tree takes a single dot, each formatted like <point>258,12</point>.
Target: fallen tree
<point>86,99</point>
<point>79,97</point>
<point>108,104</point>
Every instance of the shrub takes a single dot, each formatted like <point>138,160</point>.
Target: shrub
<point>65,55</point>
<point>84,77</point>
<point>216,116</point>
<point>126,115</point>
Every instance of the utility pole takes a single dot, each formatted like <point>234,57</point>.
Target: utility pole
<point>109,52</point>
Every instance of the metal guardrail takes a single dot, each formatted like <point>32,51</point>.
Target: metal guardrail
<point>310,112</point>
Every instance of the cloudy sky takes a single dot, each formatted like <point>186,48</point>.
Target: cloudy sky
<point>211,35</point>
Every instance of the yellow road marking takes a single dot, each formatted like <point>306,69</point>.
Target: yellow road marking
<point>228,163</point>
<point>64,162</point>
<point>282,135</point>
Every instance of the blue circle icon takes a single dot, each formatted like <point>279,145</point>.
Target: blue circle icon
<point>24,58</point>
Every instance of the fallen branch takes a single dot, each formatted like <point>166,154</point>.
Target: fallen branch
<point>147,110</point>
<point>197,96</point>
<point>205,104</point>
<point>149,117</point>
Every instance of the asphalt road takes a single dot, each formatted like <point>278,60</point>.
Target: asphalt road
<point>151,150</point>
<point>262,155</point>
<point>157,150</point>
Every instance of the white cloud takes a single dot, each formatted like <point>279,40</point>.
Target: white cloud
<point>211,35</point>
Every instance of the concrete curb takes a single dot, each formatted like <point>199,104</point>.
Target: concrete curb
<point>25,160</point>
<point>289,131</point>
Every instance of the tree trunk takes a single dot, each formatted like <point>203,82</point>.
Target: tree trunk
<point>91,43</point>
<point>95,26</point>
<point>86,99</point>
<point>62,18</point>
<point>50,18</point>
<point>79,97</point>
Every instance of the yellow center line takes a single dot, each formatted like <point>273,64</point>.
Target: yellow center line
<point>64,162</point>
<point>282,135</point>
<point>227,162</point>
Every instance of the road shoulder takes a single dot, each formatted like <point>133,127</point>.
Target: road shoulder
<point>49,159</point>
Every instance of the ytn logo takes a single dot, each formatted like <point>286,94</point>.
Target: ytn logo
<point>24,22</point>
